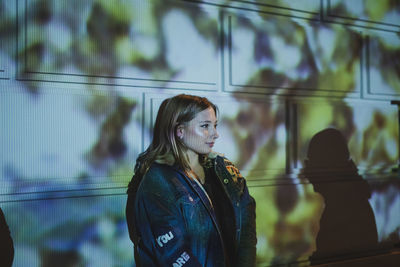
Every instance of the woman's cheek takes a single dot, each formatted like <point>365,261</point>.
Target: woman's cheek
<point>200,132</point>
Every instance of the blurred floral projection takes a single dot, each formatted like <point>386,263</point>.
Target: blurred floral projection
<point>72,120</point>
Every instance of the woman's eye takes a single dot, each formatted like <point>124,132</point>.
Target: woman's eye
<point>204,126</point>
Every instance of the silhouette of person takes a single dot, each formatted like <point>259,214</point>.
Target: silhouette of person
<point>347,225</point>
<point>6,243</point>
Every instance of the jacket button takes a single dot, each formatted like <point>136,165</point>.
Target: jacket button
<point>226,181</point>
<point>237,204</point>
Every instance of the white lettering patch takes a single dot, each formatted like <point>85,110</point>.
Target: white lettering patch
<point>181,260</point>
<point>163,239</point>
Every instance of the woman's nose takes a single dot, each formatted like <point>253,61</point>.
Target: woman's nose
<point>216,135</point>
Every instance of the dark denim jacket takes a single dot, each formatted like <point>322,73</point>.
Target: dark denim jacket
<point>172,223</point>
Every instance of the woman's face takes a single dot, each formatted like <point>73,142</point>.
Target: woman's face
<point>200,133</point>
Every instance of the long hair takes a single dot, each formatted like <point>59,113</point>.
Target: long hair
<point>166,146</point>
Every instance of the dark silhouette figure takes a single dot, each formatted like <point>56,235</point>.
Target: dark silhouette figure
<point>6,243</point>
<point>347,225</point>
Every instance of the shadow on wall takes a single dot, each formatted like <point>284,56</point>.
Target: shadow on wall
<point>6,243</point>
<point>347,225</point>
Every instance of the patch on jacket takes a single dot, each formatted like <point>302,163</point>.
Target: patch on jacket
<point>164,238</point>
<point>233,171</point>
<point>235,174</point>
<point>181,260</point>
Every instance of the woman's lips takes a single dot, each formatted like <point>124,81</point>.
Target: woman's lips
<point>210,144</point>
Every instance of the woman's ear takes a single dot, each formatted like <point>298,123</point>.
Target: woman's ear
<point>180,131</point>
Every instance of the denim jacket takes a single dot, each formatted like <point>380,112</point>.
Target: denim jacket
<point>171,220</point>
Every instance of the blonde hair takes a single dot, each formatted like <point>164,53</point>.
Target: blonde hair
<point>166,146</point>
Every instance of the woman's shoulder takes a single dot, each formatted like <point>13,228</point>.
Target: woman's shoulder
<point>158,171</point>
<point>220,158</point>
<point>156,185</point>
<point>224,164</point>
<point>158,176</point>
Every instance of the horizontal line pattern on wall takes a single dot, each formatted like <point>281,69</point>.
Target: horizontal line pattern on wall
<point>104,190</point>
<point>64,193</point>
<point>68,138</point>
<point>308,9</point>
<point>340,11</point>
<point>167,61</point>
<point>303,59</point>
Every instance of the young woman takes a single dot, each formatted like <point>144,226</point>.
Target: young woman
<point>188,206</point>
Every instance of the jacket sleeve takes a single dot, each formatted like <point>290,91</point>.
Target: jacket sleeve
<point>160,225</point>
<point>248,237</point>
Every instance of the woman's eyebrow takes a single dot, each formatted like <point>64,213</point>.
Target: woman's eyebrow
<point>207,121</point>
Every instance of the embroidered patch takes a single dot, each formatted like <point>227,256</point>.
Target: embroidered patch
<point>233,171</point>
<point>237,178</point>
<point>163,239</point>
<point>183,258</point>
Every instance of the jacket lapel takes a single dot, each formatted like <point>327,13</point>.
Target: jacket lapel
<point>200,192</point>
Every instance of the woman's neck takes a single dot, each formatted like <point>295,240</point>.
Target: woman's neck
<point>193,159</point>
<point>196,169</point>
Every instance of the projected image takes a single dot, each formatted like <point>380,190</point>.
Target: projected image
<point>79,87</point>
